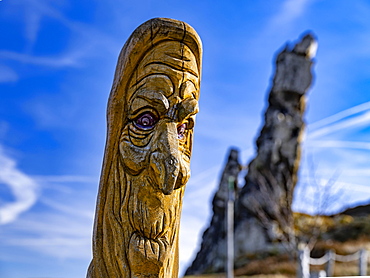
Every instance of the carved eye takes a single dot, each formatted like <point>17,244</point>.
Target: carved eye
<point>181,131</point>
<point>146,120</point>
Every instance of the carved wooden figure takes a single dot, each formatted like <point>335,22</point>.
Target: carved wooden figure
<point>151,113</point>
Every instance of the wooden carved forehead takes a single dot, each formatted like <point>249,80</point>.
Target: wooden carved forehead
<point>157,32</point>
<point>171,60</point>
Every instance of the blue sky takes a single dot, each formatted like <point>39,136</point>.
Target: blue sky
<point>57,60</point>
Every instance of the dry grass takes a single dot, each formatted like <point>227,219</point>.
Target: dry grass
<point>281,266</point>
<point>344,234</point>
<point>222,275</point>
<point>270,267</point>
<point>276,265</point>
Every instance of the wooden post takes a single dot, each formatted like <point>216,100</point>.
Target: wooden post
<point>363,262</point>
<point>330,264</point>
<point>147,155</point>
<point>230,228</point>
<point>303,263</point>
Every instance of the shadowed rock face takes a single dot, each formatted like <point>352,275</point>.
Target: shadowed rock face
<point>151,116</point>
<point>212,253</point>
<point>263,215</point>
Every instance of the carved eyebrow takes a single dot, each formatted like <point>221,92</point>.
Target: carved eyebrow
<point>142,78</point>
<point>195,93</point>
<point>157,99</point>
<point>176,67</point>
<point>187,108</point>
<point>177,56</point>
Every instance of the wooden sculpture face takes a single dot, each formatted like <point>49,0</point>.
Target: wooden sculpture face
<point>155,146</point>
<point>150,116</point>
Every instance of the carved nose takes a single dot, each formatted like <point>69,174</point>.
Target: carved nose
<point>165,160</point>
<point>171,172</point>
<point>171,161</point>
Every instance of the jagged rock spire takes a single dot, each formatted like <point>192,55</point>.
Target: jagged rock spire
<point>212,247</point>
<point>272,174</point>
<point>263,216</point>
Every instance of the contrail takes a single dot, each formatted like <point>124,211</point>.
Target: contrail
<point>340,115</point>
<point>360,116</point>
<point>339,144</point>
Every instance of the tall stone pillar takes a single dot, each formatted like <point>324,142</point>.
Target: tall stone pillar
<point>263,216</point>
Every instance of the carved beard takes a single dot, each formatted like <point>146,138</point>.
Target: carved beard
<point>138,231</point>
<point>154,218</point>
<point>153,214</point>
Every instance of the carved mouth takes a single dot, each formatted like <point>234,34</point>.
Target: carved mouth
<point>151,213</point>
<point>151,249</point>
<point>151,223</point>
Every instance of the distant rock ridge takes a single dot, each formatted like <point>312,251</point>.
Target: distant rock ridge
<point>263,216</point>
<point>357,211</point>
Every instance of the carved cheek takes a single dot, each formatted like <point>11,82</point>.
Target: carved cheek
<point>185,154</point>
<point>135,158</point>
<point>184,173</point>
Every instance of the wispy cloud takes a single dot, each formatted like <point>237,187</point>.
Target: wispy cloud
<point>356,187</point>
<point>339,144</point>
<point>290,10</point>
<point>358,172</point>
<point>23,187</point>
<point>86,39</point>
<point>340,116</point>
<point>62,228</point>
<point>4,126</point>
<point>347,119</point>
<point>350,157</point>
<point>26,191</point>
<point>53,234</point>
<point>7,74</point>
<point>91,35</point>
<point>69,59</point>
<point>278,28</point>
<point>79,210</point>
<point>311,198</point>
<point>32,27</point>
<point>66,179</point>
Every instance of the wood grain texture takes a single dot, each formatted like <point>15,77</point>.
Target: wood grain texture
<point>150,116</point>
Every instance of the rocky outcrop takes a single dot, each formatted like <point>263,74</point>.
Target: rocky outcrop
<point>266,197</point>
<point>212,253</point>
<point>358,211</point>
<point>263,216</point>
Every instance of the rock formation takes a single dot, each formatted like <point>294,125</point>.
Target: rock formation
<point>151,115</point>
<point>211,254</point>
<point>263,216</point>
